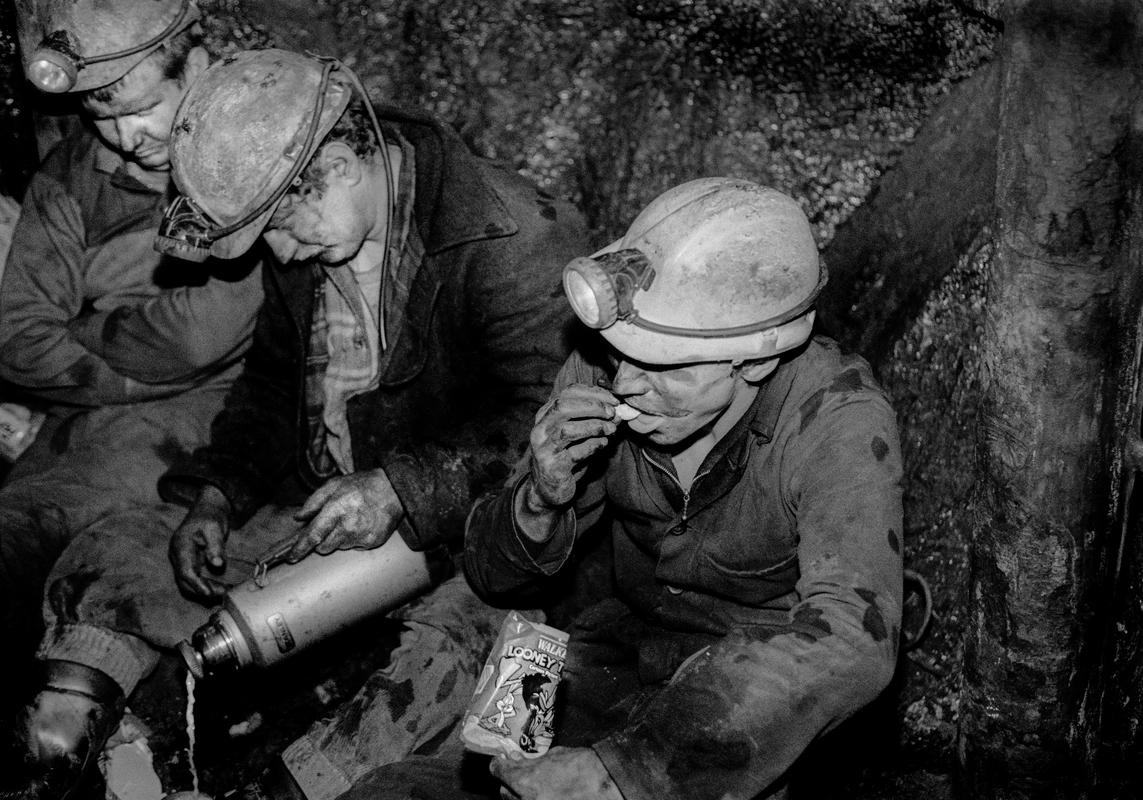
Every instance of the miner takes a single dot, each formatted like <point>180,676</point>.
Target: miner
<point>128,352</point>
<point>412,326</point>
<point>748,475</point>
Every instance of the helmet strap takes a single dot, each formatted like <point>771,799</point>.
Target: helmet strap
<point>51,41</point>
<point>737,330</point>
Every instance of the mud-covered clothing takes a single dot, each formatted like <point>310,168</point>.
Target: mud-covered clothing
<point>129,353</point>
<point>769,594</point>
<point>88,475</point>
<point>90,314</point>
<point>410,703</point>
<point>9,213</point>
<point>476,326</point>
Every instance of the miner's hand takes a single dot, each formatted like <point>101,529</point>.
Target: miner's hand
<point>198,546</point>
<point>563,773</point>
<point>351,512</point>
<point>568,430</point>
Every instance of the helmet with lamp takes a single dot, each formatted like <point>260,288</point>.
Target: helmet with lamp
<point>79,45</point>
<point>241,138</point>
<point>715,269</point>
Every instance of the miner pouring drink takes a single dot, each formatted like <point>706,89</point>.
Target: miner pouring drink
<point>411,327</point>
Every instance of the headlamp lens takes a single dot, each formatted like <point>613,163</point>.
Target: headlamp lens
<point>601,289</point>
<point>590,293</point>
<point>52,71</point>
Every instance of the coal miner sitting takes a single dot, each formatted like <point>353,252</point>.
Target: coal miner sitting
<point>129,352</point>
<point>748,474</point>
<point>411,328</point>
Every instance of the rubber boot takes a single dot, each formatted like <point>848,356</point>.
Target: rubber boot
<point>71,717</point>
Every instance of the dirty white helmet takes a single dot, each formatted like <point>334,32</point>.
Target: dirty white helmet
<point>79,45</point>
<point>715,269</point>
<point>242,134</point>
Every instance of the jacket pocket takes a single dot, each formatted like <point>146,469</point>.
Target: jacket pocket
<point>750,563</point>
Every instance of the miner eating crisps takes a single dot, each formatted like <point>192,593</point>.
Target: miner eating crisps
<point>753,507</point>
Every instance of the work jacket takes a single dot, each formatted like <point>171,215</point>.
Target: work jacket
<point>90,314</point>
<point>778,573</point>
<point>477,328</point>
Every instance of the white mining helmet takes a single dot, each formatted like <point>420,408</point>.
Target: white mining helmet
<point>715,269</point>
<point>241,137</point>
<point>79,45</point>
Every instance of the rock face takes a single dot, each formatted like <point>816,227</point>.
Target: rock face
<point>17,140</point>
<point>609,103</point>
<point>887,259</point>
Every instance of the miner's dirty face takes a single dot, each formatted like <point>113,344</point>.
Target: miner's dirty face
<point>325,222</point>
<point>676,402</point>
<point>679,402</point>
<point>134,115</point>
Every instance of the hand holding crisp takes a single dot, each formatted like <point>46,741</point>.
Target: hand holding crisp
<point>568,430</point>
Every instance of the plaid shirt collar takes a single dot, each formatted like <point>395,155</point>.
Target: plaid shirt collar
<point>404,254</point>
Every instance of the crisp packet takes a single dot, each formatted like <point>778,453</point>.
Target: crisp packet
<point>513,707</point>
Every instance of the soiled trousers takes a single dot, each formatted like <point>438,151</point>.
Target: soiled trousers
<point>113,604</point>
<point>615,664</point>
<point>90,473</point>
<point>606,678</point>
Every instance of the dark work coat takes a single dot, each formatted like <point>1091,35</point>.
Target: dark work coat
<point>477,327</point>
<point>770,591</point>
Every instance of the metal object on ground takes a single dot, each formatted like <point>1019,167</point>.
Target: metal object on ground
<point>918,598</point>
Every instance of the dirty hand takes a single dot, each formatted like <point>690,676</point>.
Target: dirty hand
<point>563,773</point>
<point>350,512</point>
<point>568,429</point>
<point>198,545</point>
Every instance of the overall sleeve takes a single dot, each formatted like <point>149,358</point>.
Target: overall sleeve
<point>253,440</point>
<point>737,714</point>
<point>182,335</point>
<point>499,558</point>
<point>42,293</point>
<point>520,322</point>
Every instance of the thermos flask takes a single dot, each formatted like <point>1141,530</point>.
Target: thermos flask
<point>288,607</point>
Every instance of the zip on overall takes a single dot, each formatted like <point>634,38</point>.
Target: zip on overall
<point>674,478</point>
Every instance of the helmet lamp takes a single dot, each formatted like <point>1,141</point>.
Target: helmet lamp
<point>55,64</point>
<point>53,70</point>
<point>185,231</point>
<point>601,289</point>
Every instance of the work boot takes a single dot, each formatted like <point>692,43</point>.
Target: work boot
<point>67,723</point>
